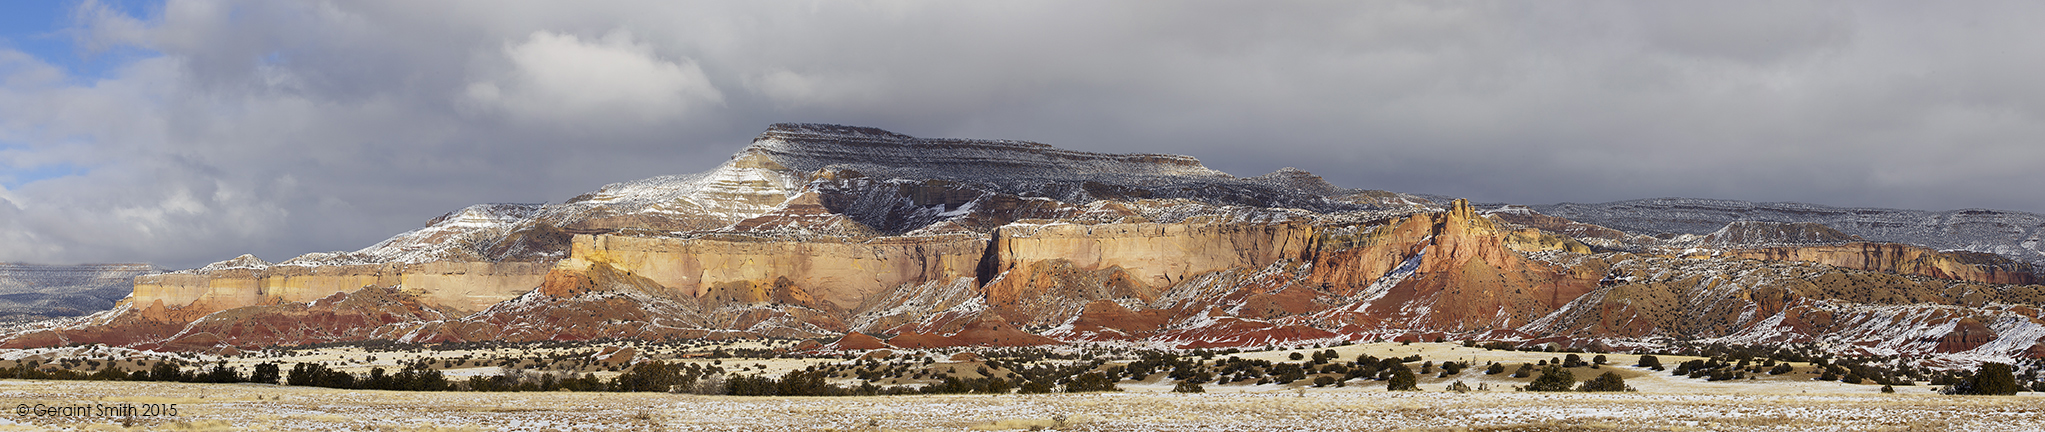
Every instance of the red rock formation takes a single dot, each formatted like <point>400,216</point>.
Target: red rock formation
<point>976,333</point>
<point>858,342</point>
<point>1967,334</point>
<point>1467,280</point>
<point>616,355</point>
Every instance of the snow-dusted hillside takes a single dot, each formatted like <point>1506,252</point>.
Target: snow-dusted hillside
<point>2017,235</point>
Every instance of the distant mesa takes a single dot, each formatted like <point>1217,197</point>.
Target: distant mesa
<point>1740,234</point>
<point>33,292</point>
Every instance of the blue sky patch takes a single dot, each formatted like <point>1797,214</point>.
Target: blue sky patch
<point>40,29</point>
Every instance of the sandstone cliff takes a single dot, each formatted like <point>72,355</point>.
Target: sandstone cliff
<point>458,287</point>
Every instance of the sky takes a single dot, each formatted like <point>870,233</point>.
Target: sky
<point>185,132</point>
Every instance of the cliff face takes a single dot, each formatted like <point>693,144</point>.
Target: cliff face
<point>814,231</point>
<point>458,287</point>
<point>1903,259</point>
<point>718,272</point>
<point>1153,254</point>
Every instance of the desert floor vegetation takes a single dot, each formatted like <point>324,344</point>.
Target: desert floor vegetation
<point>779,385</point>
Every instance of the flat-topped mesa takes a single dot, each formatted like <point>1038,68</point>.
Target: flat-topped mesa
<point>1744,234</point>
<point>1300,179</point>
<point>806,147</point>
<point>1018,168</point>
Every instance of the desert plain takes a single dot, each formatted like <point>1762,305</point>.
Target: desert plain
<point>1662,402</point>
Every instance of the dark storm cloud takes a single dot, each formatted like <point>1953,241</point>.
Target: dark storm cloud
<point>281,128</point>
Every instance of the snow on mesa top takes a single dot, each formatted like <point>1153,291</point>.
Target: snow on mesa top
<point>781,162</point>
<point>808,147</point>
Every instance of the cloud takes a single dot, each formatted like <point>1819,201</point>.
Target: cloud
<point>101,27</point>
<point>285,127</point>
<point>790,89</point>
<point>560,78</point>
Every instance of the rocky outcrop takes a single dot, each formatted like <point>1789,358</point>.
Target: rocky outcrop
<point>1447,271</point>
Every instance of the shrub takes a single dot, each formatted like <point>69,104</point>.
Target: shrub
<point>266,373</point>
<point>1608,382</point>
<point>1190,387</point>
<point>164,371</point>
<point>1091,382</point>
<point>318,375</point>
<point>1990,379</point>
<point>1650,362</point>
<point>653,376</point>
<point>1031,387</point>
<point>1402,380</point>
<point>1553,378</point>
<point>1495,369</point>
